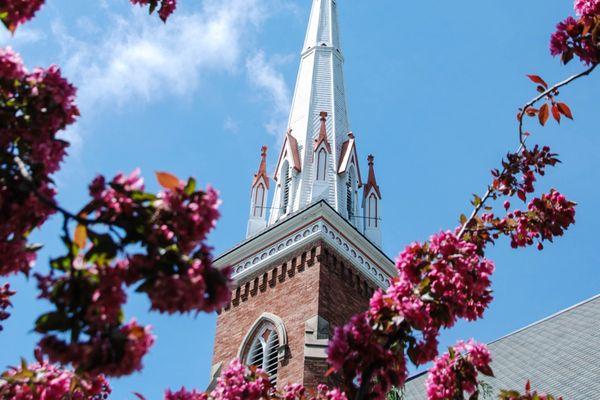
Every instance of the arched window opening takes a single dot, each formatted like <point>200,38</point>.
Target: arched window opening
<point>350,196</point>
<point>259,198</point>
<point>373,217</point>
<point>286,182</point>
<point>322,165</point>
<point>263,352</point>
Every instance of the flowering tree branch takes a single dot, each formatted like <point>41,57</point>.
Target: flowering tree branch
<point>481,202</point>
<point>156,243</point>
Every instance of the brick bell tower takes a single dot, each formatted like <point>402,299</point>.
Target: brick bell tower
<point>312,259</point>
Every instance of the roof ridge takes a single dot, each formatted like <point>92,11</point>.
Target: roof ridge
<point>545,319</point>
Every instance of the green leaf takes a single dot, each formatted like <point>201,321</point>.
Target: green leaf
<point>61,263</point>
<point>52,321</point>
<point>190,187</point>
<point>142,196</point>
<point>153,4</point>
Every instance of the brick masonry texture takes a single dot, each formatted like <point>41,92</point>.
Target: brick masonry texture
<point>316,280</point>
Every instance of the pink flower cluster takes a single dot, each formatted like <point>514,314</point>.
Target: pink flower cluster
<point>438,283</point>
<point>579,37</point>
<point>44,381</point>
<point>176,270</point>
<point>116,353</point>
<point>5,294</point>
<point>161,238</point>
<point>16,12</point>
<point>358,345</point>
<point>587,8</point>
<point>547,217</point>
<point>299,392</point>
<point>456,372</point>
<point>36,105</point>
<point>520,170</point>
<point>528,395</point>
<point>239,382</point>
<point>166,7</point>
<point>200,288</point>
<point>114,203</point>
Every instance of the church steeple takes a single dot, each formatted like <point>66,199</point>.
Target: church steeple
<point>318,129</point>
<point>319,259</point>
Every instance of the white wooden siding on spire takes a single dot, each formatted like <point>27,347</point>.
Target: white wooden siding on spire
<point>319,88</point>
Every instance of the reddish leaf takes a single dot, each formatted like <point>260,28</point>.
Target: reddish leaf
<point>556,113</point>
<point>538,80</point>
<point>139,396</point>
<point>532,112</point>
<point>565,110</point>
<point>521,195</point>
<point>486,370</point>
<point>167,180</point>
<point>544,114</point>
<point>528,386</point>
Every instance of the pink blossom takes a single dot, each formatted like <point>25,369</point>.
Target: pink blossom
<point>201,287</point>
<point>456,372</point>
<point>18,11</point>
<point>576,38</point>
<point>5,294</point>
<point>356,346</point>
<point>36,106</point>
<point>116,353</point>
<point>238,383</point>
<point>44,381</point>
<point>184,394</point>
<point>547,217</point>
<point>587,8</point>
<point>166,6</point>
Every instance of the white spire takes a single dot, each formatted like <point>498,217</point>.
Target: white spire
<point>318,159</point>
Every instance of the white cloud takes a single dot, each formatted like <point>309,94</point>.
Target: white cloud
<point>139,58</point>
<point>264,75</point>
<point>23,35</point>
<point>231,125</point>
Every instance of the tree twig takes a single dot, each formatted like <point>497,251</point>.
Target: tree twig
<point>522,140</point>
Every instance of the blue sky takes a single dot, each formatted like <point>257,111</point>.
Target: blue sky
<point>433,89</point>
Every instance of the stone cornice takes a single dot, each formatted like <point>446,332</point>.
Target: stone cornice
<point>317,222</point>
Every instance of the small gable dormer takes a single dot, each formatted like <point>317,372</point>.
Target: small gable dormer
<point>258,197</point>
<point>372,205</point>
<point>288,167</point>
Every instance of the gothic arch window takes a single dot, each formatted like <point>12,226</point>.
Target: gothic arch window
<point>265,345</point>
<point>263,351</point>
<point>322,164</point>
<point>286,183</point>
<point>373,221</point>
<point>259,199</point>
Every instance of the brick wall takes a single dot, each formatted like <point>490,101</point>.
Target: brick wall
<point>313,281</point>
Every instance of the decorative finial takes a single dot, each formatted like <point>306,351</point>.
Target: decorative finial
<point>351,135</point>
<point>263,152</point>
<point>323,115</point>
<point>371,160</point>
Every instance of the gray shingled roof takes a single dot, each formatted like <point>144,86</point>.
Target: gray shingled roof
<point>560,355</point>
